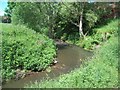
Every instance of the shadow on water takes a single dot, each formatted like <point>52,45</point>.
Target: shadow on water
<point>68,57</point>
<point>62,45</point>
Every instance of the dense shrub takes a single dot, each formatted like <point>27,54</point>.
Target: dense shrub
<point>23,48</point>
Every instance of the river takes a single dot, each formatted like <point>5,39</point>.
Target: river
<point>68,58</point>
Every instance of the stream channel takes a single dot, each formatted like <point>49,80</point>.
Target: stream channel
<point>68,57</point>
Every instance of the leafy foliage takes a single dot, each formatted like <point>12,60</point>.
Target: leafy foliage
<point>9,8</point>
<point>91,17</point>
<point>24,49</point>
<point>100,35</point>
<point>26,14</point>
<point>35,16</point>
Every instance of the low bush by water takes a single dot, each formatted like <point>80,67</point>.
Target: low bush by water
<point>24,49</point>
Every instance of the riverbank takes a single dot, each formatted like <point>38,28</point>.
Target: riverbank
<point>21,74</point>
<point>72,56</point>
<point>100,72</point>
<point>65,57</point>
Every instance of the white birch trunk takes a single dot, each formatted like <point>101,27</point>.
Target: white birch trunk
<point>80,25</point>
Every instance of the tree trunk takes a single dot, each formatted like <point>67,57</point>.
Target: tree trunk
<point>49,27</point>
<point>80,25</point>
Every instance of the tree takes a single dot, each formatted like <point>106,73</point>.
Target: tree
<point>77,14</point>
<point>38,16</point>
<point>83,15</point>
<point>9,9</point>
<point>56,19</point>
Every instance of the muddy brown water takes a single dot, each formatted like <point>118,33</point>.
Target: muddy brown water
<point>68,57</point>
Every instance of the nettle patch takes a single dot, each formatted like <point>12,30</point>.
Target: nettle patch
<point>24,49</point>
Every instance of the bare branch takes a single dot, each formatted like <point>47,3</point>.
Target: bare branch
<point>74,23</point>
<point>86,33</point>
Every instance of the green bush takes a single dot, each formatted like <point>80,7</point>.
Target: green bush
<point>87,43</point>
<point>24,49</point>
<point>100,72</point>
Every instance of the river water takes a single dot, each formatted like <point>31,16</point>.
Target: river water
<point>68,58</point>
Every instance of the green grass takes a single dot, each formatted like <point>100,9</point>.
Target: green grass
<point>110,27</point>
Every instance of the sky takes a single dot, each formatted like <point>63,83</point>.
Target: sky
<point>3,5</point>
